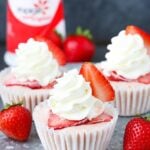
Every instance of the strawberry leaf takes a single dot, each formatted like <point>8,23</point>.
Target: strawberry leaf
<point>7,106</point>
<point>85,32</point>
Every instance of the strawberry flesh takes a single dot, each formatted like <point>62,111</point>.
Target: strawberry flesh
<point>131,29</point>
<point>57,52</point>
<point>57,122</point>
<point>144,79</point>
<point>101,118</point>
<point>101,87</point>
<point>115,77</point>
<point>30,84</point>
<point>55,38</point>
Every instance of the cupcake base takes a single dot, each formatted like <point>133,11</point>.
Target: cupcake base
<point>29,97</point>
<point>87,137</point>
<point>131,98</point>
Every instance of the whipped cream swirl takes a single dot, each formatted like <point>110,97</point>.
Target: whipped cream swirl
<point>72,98</point>
<point>127,56</point>
<point>35,62</point>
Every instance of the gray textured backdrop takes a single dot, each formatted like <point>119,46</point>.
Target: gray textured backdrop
<point>105,18</point>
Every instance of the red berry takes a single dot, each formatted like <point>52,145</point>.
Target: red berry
<point>101,87</point>
<point>115,77</point>
<point>144,79</point>
<point>57,122</point>
<point>16,122</point>
<point>12,81</point>
<point>101,118</point>
<point>137,135</point>
<point>79,47</point>
<point>56,51</point>
<point>56,38</point>
<point>131,29</point>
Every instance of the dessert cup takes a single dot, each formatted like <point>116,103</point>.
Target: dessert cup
<point>88,137</point>
<point>34,74</point>
<point>29,97</point>
<point>131,98</point>
<point>127,67</point>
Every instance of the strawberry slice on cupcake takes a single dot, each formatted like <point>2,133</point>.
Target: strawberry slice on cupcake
<point>132,29</point>
<point>57,52</point>
<point>101,87</point>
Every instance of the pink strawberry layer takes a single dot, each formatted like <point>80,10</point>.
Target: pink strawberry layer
<point>143,79</point>
<point>57,122</point>
<point>12,81</point>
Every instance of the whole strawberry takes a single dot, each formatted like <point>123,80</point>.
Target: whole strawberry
<point>16,122</point>
<point>79,47</point>
<point>137,135</point>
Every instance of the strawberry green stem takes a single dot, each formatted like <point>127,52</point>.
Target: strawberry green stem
<point>147,117</point>
<point>7,106</point>
<point>85,32</point>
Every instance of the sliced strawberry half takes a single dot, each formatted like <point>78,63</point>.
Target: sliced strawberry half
<point>57,122</point>
<point>101,118</point>
<point>144,79</point>
<point>55,37</point>
<point>131,29</point>
<point>56,51</point>
<point>101,87</point>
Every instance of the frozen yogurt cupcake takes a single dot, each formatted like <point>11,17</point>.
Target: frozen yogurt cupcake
<point>74,117</point>
<point>127,66</point>
<point>33,76</point>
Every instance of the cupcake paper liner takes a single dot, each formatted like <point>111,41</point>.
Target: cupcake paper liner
<point>29,97</point>
<point>131,98</point>
<point>83,137</point>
